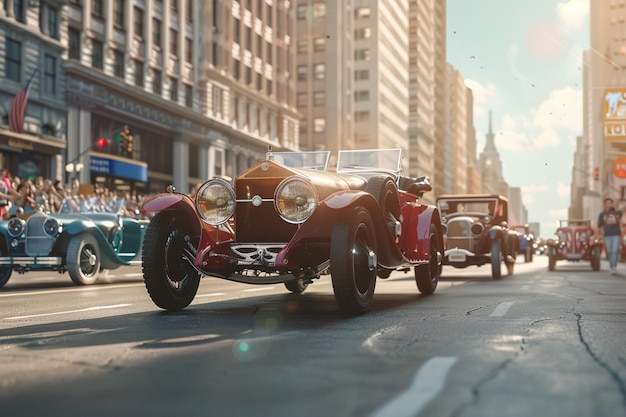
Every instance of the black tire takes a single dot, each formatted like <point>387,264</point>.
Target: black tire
<point>496,259</point>
<point>385,191</point>
<point>297,286</point>
<point>596,256</point>
<point>427,276</point>
<point>5,274</point>
<point>352,246</point>
<point>551,259</point>
<point>528,255</point>
<point>172,282</point>
<point>83,259</point>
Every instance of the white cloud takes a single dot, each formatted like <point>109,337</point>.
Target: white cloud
<point>573,13</point>
<point>563,109</point>
<point>546,139</point>
<point>529,192</point>
<point>511,140</point>
<point>563,189</point>
<point>484,95</point>
<point>558,214</point>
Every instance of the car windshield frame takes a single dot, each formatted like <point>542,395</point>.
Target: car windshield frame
<point>316,160</point>
<point>469,209</point>
<point>388,161</point>
<point>92,204</point>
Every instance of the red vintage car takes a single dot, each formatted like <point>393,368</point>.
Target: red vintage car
<point>291,219</point>
<point>575,241</point>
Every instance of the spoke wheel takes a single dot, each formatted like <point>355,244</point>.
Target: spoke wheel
<point>83,259</point>
<point>427,276</point>
<point>170,279</point>
<point>353,261</point>
<point>596,255</point>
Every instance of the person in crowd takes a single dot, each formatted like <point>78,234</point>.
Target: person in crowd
<point>609,221</point>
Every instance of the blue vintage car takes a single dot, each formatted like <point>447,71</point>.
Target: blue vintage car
<point>86,237</point>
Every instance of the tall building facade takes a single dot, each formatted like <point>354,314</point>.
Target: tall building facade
<point>31,58</point>
<point>457,155</point>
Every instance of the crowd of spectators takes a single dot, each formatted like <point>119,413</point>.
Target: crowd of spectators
<point>21,197</point>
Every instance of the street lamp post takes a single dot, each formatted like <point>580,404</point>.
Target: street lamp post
<point>72,168</point>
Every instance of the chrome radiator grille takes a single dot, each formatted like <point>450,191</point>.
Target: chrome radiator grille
<point>37,242</point>
<point>460,235</point>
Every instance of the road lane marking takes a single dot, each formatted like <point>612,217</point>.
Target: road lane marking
<point>259,289</point>
<point>213,294</point>
<point>501,309</point>
<point>104,286</point>
<point>525,287</point>
<point>68,311</point>
<point>426,385</point>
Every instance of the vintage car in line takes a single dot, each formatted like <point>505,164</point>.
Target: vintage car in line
<point>575,240</point>
<point>291,219</point>
<point>86,237</point>
<point>526,241</point>
<point>476,232</point>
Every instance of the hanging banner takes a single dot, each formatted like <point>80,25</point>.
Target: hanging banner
<point>614,114</point>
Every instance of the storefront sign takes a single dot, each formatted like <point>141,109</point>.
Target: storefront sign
<point>614,114</point>
<point>118,167</point>
<point>619,167</point>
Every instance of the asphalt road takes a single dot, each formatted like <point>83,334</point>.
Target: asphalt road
<point>537,343</point>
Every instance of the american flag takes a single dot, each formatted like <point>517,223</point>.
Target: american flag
<point>18,107</point>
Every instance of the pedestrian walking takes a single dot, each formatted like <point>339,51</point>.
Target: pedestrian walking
<point>609,222</point>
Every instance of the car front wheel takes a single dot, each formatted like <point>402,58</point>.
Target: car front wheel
<point>353,261</point>
<point>496,259</point>
<point>170,279</point>
<point>83,259</point>
<point>427,275</point>
<point>5,274</point>
<point>596,258</point>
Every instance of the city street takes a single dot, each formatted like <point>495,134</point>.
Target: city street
<point>537,343</point>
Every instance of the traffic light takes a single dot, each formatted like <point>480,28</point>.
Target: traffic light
<point>127,141</point>
<point>102,142</point>
<point>596,174</point>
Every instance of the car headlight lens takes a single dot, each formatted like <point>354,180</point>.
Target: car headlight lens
<point>51,226</point>
<point>15,226</point>
<point>477,228</point>
<point>215,201</point>
<point>295,200</point>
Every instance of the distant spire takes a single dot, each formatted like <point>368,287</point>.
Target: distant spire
<point>490,130</point>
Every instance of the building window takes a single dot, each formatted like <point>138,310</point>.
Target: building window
<point>218,98</point>
<point>319,71</point>
<point>362,55</point>
<point>156,32</point>
<point>319,98</point>
<point>362,13</point>
<point>362,95</point>
<point>302,46</point>
<point>237,29</point>
<point>301,11</point>
<point>13,65</point>
<point>363,33</point>
<point>236,69</point>
<point>361,116</point>
<point>97,8</point>
<point>49,74</point>
<point>302,72</point>
<point>138,24</point>
<point>301,99</point>
<point>174,89</point>
<point>118,64</point>
<point>118,14</point>
<point>73,43</point>
<point>156,83</point>
<point>215,50</point>
<point>319,125</point>
<point>19,9</point>
<point>248,75</point>
<point>97,54</point>
<point>49,21</point>
<point>173,42</point>
<point>174,6</point>
<point>189,10</point>
<point>259,81</point>
<point>361,75</point>
<point>188,95</point>
<point>319,10</point>
<point>139,68</point>
<point>319,44</point>
<point>188,50</point>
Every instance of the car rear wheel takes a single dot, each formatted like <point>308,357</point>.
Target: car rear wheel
<point>83,259</point>
<point>5,274</point>
<point>551,259</point>
<point>353,261</point>
<point>596,255</point>
<point>172,282</point>
<point>427,275</point>
<point>297,286</point>
<point>496,259</point>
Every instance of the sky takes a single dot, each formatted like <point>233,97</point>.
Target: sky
<point>523,62</point>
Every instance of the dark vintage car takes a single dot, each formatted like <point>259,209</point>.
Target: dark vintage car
<point>526,241</point>
<point>575,240</point>
<point>86,237</point>
<point>476,232</point>
<point>290,219</point>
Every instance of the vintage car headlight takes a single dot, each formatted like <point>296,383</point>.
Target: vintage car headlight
<point>215,201</point>
<point>295,200</point>
<point>15,226</point>
<point>477,228</point>
<point>51,226</point>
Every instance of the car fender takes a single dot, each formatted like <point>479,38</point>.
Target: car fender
<point>319,227</point>
<point>415,239</point>
<point>165,201</point>
<point>109,258</point>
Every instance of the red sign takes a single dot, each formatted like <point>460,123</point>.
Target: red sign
<point>619,167</point>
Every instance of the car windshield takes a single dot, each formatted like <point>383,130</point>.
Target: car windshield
<point>370,160</point>
<point>485,206</point>
<point>92,204</point>
<point>317,160</point>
